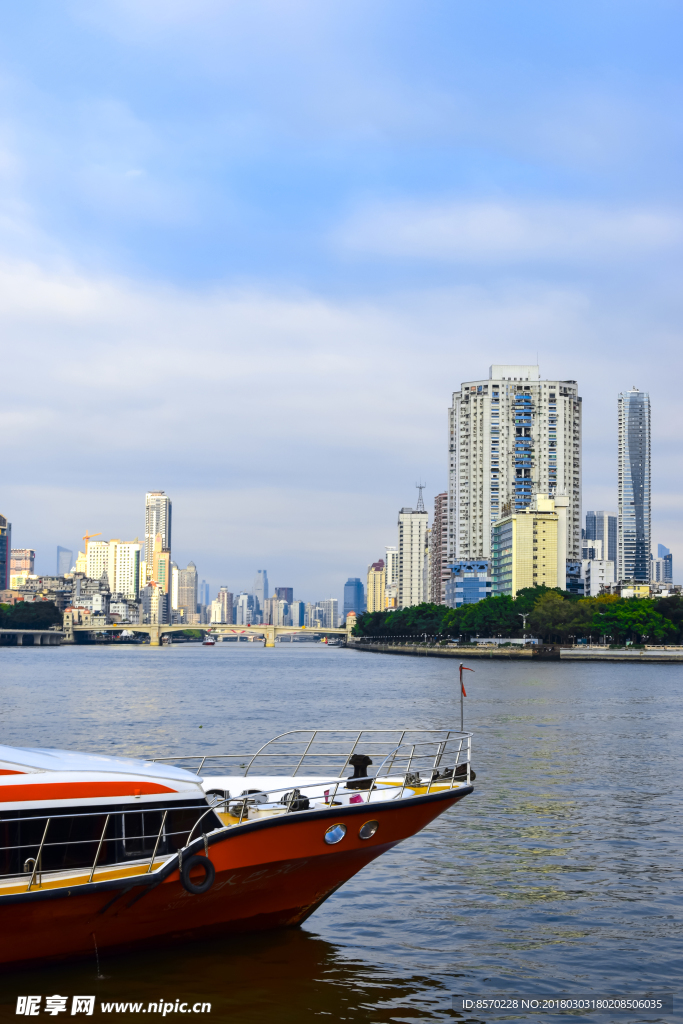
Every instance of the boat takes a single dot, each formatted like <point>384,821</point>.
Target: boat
<point>119,853</point>
<point>209,641</point>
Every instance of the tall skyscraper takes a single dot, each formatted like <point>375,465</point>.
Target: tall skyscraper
<point>5,552</point>
<point>187,591</point>
<point>603,526</point>
<point>511,437</point>
<point>330,613</point>
<point>161,566</point>
<point>662,566</point>
<point>412,539</point>
<point>224,600</point>
<point>376,596</point>
<point>261,587</point>
<point>157,520</point>
<point>64,560</point>
<point>354,596</point>
<point>297,611</point>
<point>438,561</point>
<point>634,513</point>
<point>124,574</point>
<point>97,559</point>
<point>391,593</point>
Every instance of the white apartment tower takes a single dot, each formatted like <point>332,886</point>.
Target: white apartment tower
<point>634,540</point>
<point>511,437</point>
<point>412,536</point>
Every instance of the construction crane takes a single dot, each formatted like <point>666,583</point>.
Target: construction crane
<point>88,537</point>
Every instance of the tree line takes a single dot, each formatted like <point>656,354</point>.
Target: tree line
<point>552,615</point>
<point>30,615</point>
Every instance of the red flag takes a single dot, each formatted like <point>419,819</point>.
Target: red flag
<point>464,668</point>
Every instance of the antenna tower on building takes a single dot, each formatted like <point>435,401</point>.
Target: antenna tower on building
<point>420,500</point>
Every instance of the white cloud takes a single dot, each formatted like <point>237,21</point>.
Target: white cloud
<point>508,232</point>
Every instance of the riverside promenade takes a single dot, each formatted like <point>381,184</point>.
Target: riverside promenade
<point>542,652</point>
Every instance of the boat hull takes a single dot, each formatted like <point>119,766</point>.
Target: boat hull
<point>270,873</point>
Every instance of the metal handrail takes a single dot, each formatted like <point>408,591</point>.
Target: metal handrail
<point>38,858</point>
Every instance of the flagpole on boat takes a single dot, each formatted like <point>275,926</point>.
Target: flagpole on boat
<point>463,694</point>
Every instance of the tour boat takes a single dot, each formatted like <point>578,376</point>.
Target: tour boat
<point>116,853</point>
<point>209,641</point>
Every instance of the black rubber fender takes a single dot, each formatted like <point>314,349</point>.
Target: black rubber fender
<point>195,861</point>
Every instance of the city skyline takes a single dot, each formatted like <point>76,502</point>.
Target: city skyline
<point>346,256</point>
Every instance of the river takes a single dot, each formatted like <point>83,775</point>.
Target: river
<point>561,873</point>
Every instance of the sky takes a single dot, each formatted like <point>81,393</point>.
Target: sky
<point>248,251</point>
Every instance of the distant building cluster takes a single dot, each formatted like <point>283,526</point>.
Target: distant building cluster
<point>138,583</point>
<point>511,515</point>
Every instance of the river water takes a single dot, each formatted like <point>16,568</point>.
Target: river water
<point>561,873</point>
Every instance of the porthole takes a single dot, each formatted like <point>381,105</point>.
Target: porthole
<point>368,830</point>
<point>335,834</point>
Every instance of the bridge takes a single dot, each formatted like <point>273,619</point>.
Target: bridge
<point>30,637</point>
<point>156,631</point>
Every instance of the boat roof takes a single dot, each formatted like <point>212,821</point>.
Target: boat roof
<point>28,760</point>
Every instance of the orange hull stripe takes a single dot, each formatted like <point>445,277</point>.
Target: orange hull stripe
<point>10,771</point>
<point>78,790</point>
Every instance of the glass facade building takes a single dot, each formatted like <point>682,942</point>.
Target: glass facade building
<point>5,552</point>
<point>634,512</point>
<point>603,526</point>
<point>354,596</point>
<point>469,582</point>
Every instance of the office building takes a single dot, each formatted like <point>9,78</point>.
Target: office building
<point>22,561</point>
<point>354,596</point>
<point>602,526</point>
<point>158,510</point>
<point>528,547</point>
<point>297,613</point>
<point>174,587</point>
<point>261,586</point>
<point>64,561</point>
<point>634,512</point>
<point>511,437</point>
<point>412,537</point>
<point>155,605</point>
<point>187,592</point>
<point>591,549</point>
<point>662,566</point>
<point>96,559</point>
<point>284,594</point>
<point>330,613</point>
<point>439,570</point>
<point>376,589</point>
<point>469,582</point>
<point>313,616</point>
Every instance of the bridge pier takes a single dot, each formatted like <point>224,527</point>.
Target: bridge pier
<point>154,636</point>
<point>270,636</point>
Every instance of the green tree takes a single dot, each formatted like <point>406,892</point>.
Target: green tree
<point>30,615</point>
<point>632,619</point>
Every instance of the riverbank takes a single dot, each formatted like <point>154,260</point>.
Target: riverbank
<point>545,652</point>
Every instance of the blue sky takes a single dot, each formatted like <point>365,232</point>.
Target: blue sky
<point>247,251</point>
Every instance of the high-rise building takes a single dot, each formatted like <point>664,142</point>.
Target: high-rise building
<point>225,601</point>
<point>187,592</point>
<point>439,569</point>
<point>245,609</point>
<point>529,547</point>
<point>261,587</point>
<point>297,613</point>
<point>157,520</point>
<point>97,559</point>
<point>5,552</point>
<point>64,561</point>
<point>161,565</point>
<point>124,573</point>
<point>391,592</point>
<point>412,535</point>
<point>634,512</point>
<point>662,566</point>
<point>376,592</point>
<point>511,437</point>
<point>354,596</point>
<point>330,612</point>
<point>285,594</point>
<point>596,573</point>
<point>603,526</point>
<point>468,583</point>
<point>174,586</point>
<point>22,560</point>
